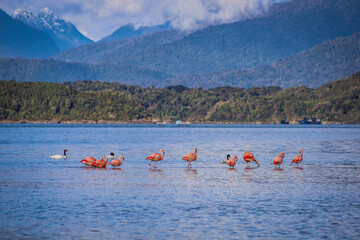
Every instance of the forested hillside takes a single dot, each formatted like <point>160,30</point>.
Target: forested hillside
<point>325,62</point>
<point>85,100</point>
<point>47,70</point>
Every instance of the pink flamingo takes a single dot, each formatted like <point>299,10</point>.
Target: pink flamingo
<point>100,163</point>
<point>190,157</point>
<point>298,159</point>
<point>278,160</point>
<point>155,157</point>
<point>88,161</point>
<point>232,161</point>
<point>249,157</point>
<point>117,162</point>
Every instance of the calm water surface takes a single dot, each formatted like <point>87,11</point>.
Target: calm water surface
<point>60,199</point>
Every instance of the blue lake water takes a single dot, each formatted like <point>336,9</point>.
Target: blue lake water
<point>43,198</point>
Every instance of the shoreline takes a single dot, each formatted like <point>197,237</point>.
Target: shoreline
<point>149,122</point>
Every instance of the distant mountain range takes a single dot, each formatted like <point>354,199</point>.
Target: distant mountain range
<point>314,67</point>
<point>47,70</point>
<point>288,28</point>
<point>332,59</point>
<point>20,40</point>
<point>63,33</point>
<point>299,42</point>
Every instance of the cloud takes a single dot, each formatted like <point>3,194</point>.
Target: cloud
<point>99,18</point>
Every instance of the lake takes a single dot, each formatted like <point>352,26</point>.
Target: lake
<point>44,198</point>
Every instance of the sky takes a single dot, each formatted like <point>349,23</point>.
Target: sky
<point>97,19</point>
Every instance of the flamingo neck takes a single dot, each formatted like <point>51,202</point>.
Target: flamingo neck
<point>162,155</point>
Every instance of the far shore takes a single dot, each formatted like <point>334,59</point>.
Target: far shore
<point>155,122</point>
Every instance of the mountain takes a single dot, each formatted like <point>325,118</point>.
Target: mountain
<point>325,62</point>
<point>129,31</point>
<point>20,40</point>
<point>47,70</point>
<point>288,28</point>
<point>96,53</point>
<point>63,33</point>
<point>330,60</point>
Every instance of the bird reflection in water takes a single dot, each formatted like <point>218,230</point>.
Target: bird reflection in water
<point>248,168</point>
<point>116,169</point>
<point>155,170</point>
<point>190,171</point>
<point>278,170</point>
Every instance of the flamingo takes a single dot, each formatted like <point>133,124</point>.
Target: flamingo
<point>117,162</point>
<point>278,160</point>
<point>156,157</point>
<point>249,157</point>
<point>100,163</point>
<point>298,159</point>
<point>232,161</point>
<point>60,156</point>
<point>88,161</point>
<point>190,157</point>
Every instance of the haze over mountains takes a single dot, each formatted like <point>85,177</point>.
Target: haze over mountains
<point>300,42</point>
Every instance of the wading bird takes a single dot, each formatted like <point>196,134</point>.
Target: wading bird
<point>278,160</point>
<point>232,161</point>
<point>88,161</point>
<point>249,157</point>
<point>155,157</point>
<point>190,157</point>
<point>100,163</point>
<point>60,156</point>
<point>298,159</point>
<point>117,162</point>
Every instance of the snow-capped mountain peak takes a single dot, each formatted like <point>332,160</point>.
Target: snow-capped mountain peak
<point>26,17</point>
<point>64,33</point>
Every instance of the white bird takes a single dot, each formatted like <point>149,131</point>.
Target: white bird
<point>60,156</point>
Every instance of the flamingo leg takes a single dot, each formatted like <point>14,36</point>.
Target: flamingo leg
<point>155,165</point>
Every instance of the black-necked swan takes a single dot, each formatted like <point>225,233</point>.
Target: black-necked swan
<point>60,156</point>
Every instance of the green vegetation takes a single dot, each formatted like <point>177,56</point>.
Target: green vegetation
<point>86,100</point>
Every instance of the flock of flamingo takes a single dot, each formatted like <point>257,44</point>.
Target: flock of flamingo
<point>190,157</point>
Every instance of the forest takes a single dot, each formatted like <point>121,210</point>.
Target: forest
<point>97,101</point>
